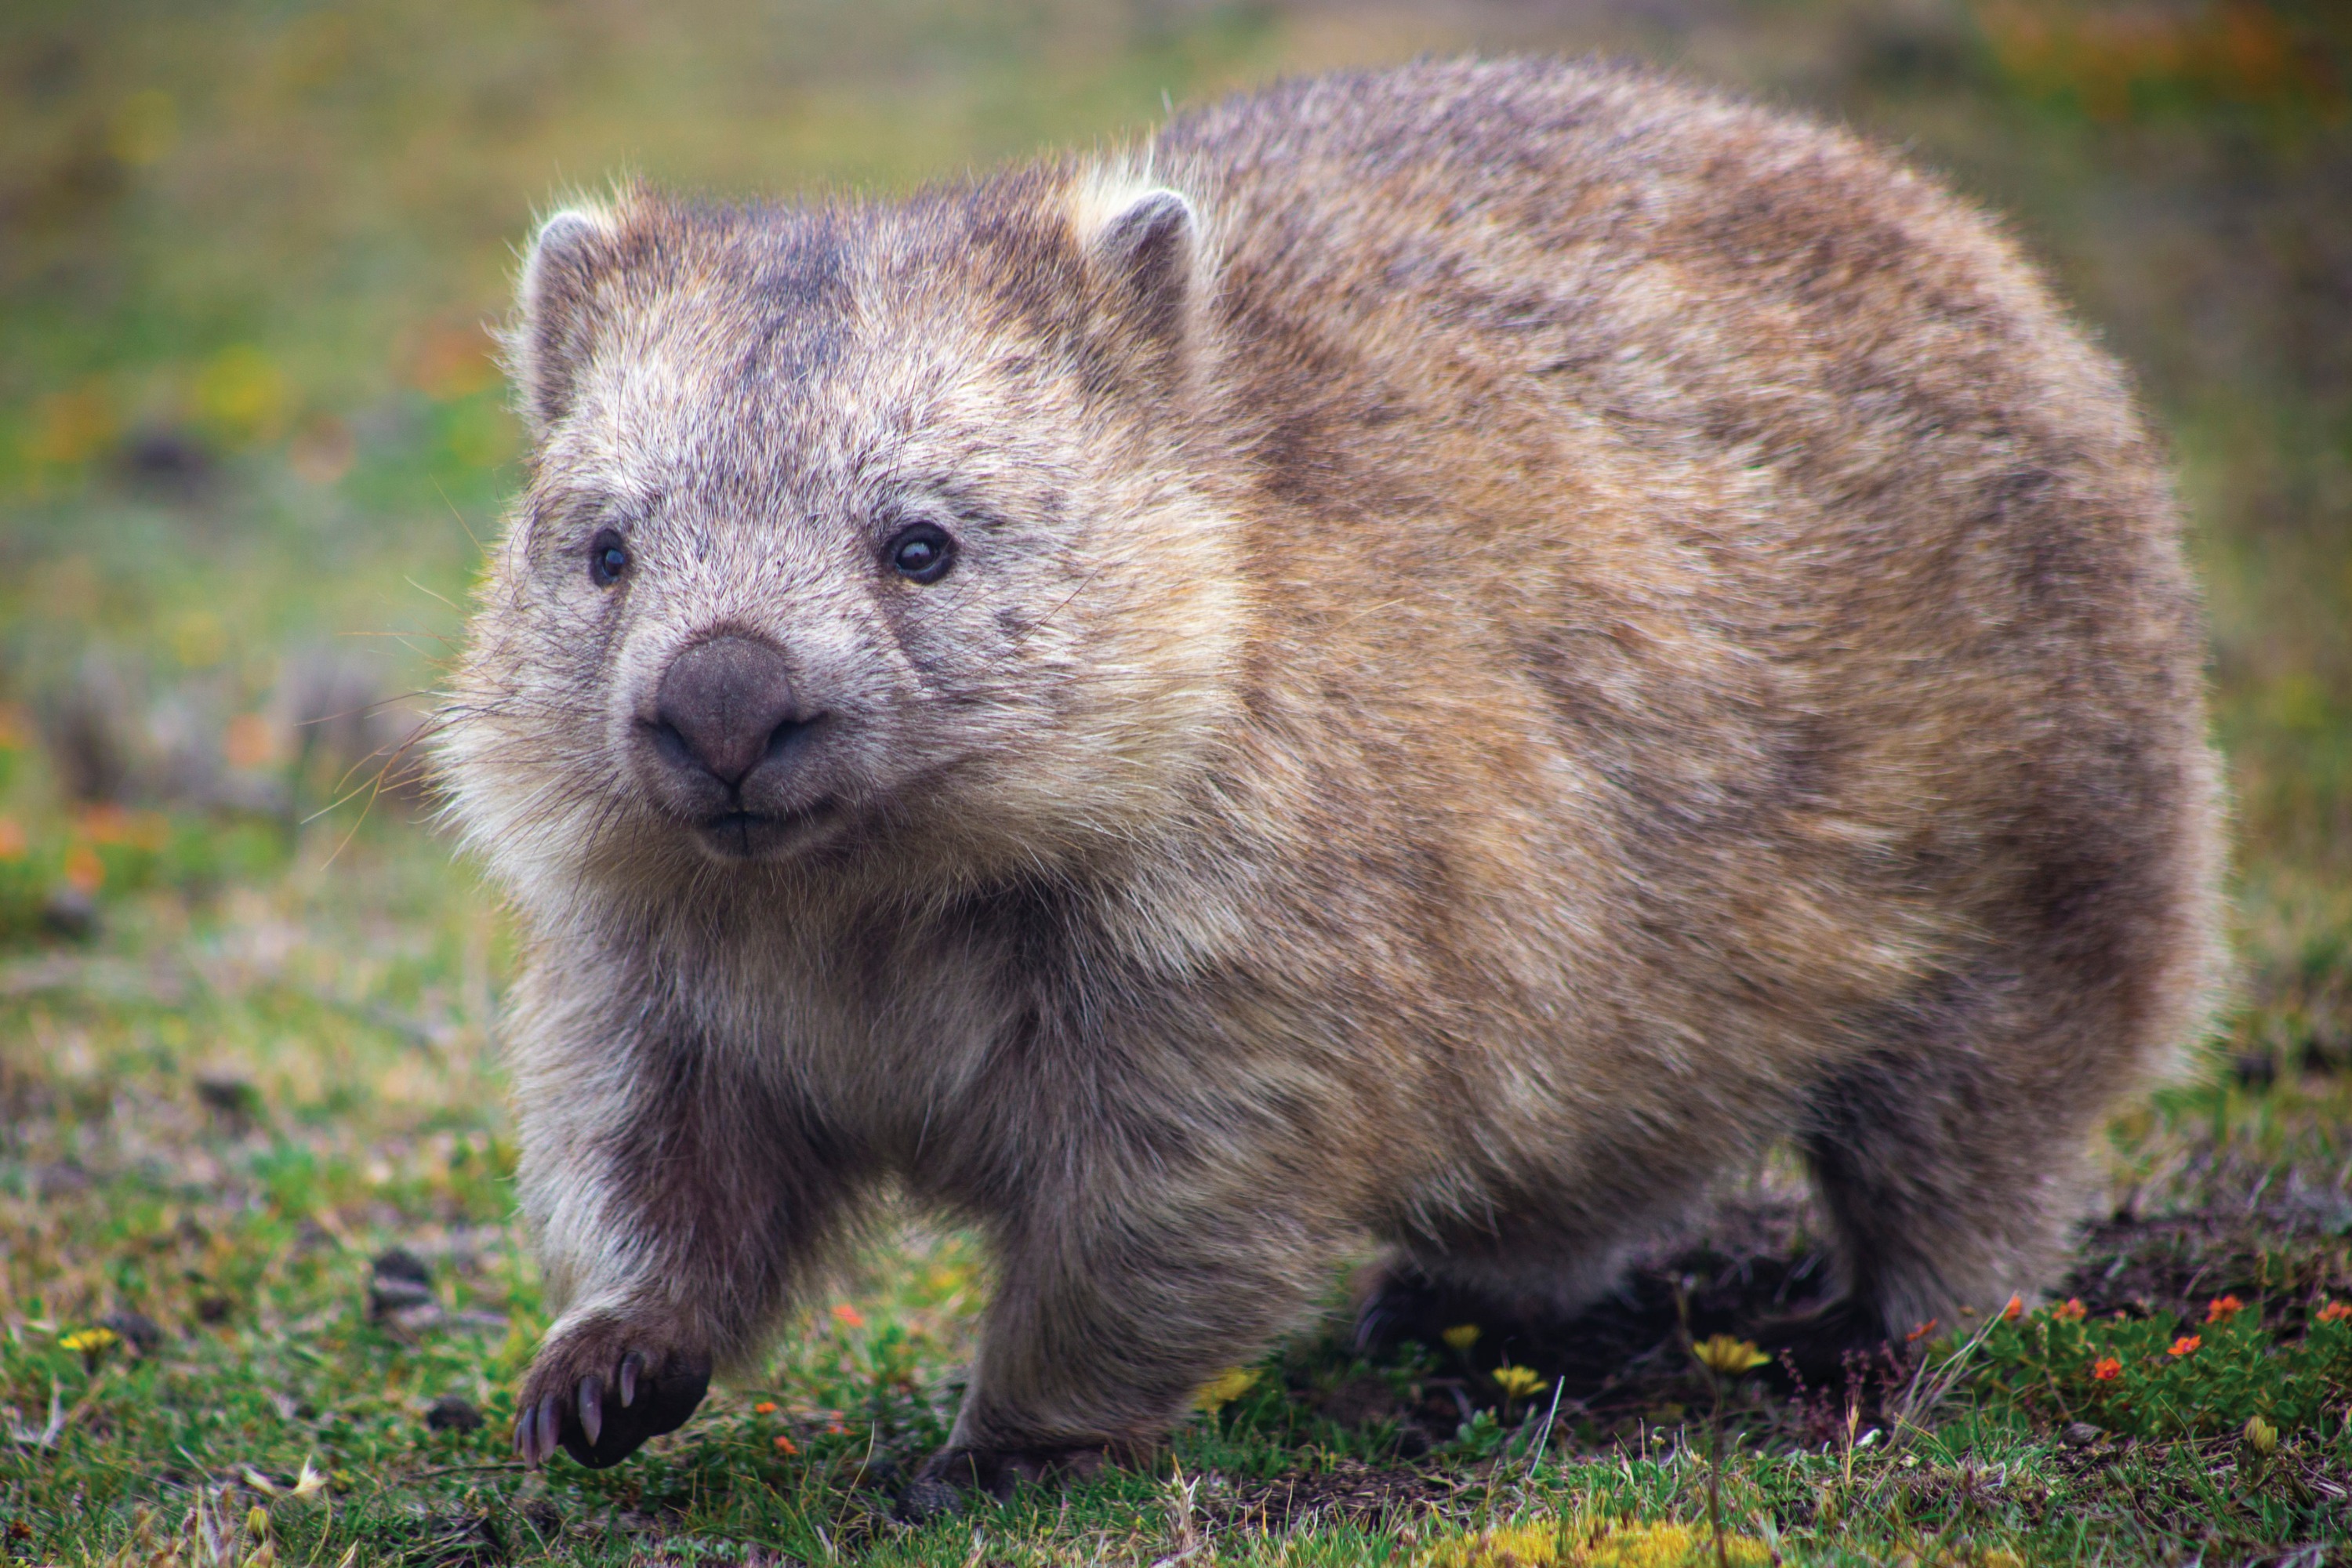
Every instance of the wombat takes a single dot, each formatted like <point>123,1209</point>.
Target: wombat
<point>1434,658</point>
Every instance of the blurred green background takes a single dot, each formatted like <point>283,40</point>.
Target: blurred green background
<point>252,434</point>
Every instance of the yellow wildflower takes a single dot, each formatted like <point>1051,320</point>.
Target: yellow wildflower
<point>1518,1382</point>
<point>1461,1337</point>
<point>89,1342</point>
<point>1727,1357</point>
<point>1224,1388</point>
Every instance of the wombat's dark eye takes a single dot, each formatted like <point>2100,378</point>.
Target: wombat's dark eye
<point>922,553</point>
<point>607,558</point>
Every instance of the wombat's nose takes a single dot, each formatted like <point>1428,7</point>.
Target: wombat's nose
<point>722,705</point>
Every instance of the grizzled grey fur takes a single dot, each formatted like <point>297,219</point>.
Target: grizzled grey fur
<point>1439,657</point>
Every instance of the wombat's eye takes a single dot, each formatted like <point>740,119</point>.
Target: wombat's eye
<point>607,558</point>
<point>922,553</point>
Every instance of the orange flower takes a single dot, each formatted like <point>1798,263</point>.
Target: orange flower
<point>2071,1311</point>
<point>85,872</point>
<point>2186,1344</point>
<point>2014,1310</point>
<point>114,825</point>
<point>1923,1330</point>
<point>251,742</point>
<point>848,1317</point>
<point>2336,1311</point>
<point>2106,1369</point>
<point>105,823</point>
<point>12,838</point>
<point>2223,1308</point>
<point>765,1408</point>
<point>785,1445</point>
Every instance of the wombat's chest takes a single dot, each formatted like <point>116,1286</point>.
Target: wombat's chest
<point>879,1036</point>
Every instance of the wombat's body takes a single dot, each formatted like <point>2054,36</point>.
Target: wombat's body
<point>1440,656</point>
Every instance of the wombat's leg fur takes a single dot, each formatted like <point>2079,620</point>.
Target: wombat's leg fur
<point>1951,1168</point>
<point>1106,1323</point>
<point>676,1202</point>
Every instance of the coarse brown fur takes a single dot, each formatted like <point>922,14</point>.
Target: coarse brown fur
<point>1520,633</point>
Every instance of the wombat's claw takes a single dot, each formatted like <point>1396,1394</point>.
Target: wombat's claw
<point>591,1408</point>
<point>600,1432</point>
<point>1406,1304</point>
<point>929,1496</point>
<point>938,1485</point>
<point>1382,1321</point>
<point>534,1437</point>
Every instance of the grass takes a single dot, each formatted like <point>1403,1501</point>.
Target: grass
<point>249,441</point>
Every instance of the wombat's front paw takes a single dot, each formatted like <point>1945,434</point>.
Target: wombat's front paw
<point>938,1486</point>
<point>602,1389</point>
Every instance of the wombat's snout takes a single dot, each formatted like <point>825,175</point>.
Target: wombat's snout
<point>725,707</point>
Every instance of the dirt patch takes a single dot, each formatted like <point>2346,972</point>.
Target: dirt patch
<point>1751,1266</point>
<point>2284,1259</point>
<point>1754,1273</point>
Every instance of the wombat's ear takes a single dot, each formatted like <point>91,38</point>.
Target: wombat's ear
<point>1145,248</point>
<point>556,300</point>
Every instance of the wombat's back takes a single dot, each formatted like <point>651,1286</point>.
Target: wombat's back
<point>1757,472</point>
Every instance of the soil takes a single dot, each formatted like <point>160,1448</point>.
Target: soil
<point>1753,1274</point>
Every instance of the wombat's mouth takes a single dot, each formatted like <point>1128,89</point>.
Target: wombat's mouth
<point>757,836</point>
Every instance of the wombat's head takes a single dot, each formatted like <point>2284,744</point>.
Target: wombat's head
<point>850,531</point>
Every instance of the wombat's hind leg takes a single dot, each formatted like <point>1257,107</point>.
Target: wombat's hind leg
<point>1951,1175</point>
